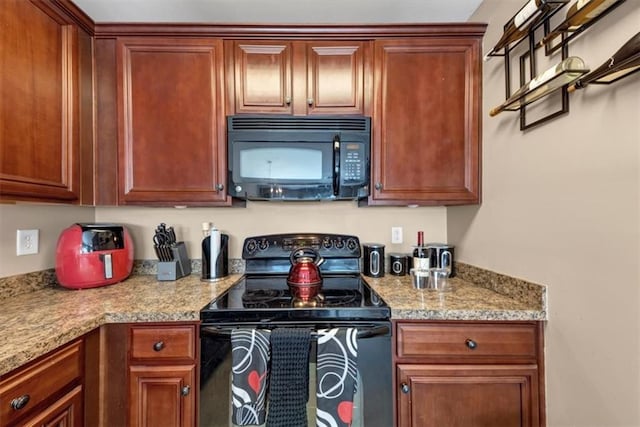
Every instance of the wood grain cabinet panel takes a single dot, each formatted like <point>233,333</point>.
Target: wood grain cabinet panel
<point>162,366</point>
<point>65,412</point>
<point>162,396</point>
<point>463,373</point>
<point>299,77</point>
<point>460,396</point>
<point>169,343</point>
<point>41,391</point>
<point>171,143</point>
<point>39,129</point>
<point>426,126</point>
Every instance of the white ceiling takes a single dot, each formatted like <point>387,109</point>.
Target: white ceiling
<point>280,11</point>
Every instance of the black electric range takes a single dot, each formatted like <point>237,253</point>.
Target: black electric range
<point>262,300</point>
<point>263,296</point>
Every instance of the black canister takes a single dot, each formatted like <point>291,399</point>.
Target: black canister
<point>398,264</point>
<point>442,255</point>
<point>373,259</point>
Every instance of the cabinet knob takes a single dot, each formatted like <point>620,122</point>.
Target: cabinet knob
<point>378,186</point>
<point>404,387</point>
<point>287,100</point>
<point>310,101</point>
<point>158,346</point>
<point>185,390</point>
<point>219,187</point>
<point>20,402</point>
<point>471,344</point>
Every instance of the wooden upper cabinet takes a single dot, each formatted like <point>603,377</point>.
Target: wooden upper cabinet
<point>426,136</point>
<point>171,136</point>
<point>298,77</point>
<point>39,144</point>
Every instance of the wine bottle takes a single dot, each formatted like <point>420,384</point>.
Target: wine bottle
<point>625,61</point>
<point>554,78</point>
<point>579,13</point>
<point>420,254</point>
<point>519,25</point>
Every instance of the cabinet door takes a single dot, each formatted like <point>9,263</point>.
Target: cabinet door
<point>65,412</point>
<point>426,137</point>
<point>467,395</point>
<point>39,145</point>
<point>171,143</point>
<point>162,395</point>
<point>336,77</point>
<point>263,76</point>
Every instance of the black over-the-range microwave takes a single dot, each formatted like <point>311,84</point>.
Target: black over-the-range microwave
<point>274,157</point>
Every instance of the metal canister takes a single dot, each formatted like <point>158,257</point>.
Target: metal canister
<point>398,264</point>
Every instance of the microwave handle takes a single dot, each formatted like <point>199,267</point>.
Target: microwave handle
<point>336,164</point>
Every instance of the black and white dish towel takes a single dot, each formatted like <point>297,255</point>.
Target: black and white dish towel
<point>249,380</point>
<point>336,376</point>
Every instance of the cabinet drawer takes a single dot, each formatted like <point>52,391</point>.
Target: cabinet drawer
<point>163,342</point>
<point>466,340</point>
<point>39,382</point>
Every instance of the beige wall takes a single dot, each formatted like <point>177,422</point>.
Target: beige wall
<point>370,224</point>
<point>49,219</point>
<point>561,208</point>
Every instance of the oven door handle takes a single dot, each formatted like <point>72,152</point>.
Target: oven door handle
<point>372,332</point>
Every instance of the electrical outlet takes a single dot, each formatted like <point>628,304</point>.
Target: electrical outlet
<point>396,234</point>
<point>27,242</point>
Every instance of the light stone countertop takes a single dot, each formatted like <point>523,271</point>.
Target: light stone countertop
<point>465,301</point>
<point>37,322</point>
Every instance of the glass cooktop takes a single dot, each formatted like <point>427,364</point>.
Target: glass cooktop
<point>267,298</point>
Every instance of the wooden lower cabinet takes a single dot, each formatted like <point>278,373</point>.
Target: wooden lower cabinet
<point>452,395</point>
<point>65,412</point>
<point>162,375</point>
<point>48,392</point>
<point>162,395</point>
<point>469,374</point>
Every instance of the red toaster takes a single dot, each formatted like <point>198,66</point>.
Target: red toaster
<point>92,255</point>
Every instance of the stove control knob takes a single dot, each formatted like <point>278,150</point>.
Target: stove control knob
<point>263,245</point>
<point>339,244</point>
<point>326,243</point>
<point>251,246</point>
<point>352,245</point>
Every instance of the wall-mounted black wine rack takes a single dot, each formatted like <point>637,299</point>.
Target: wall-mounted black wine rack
<point>540,29</point>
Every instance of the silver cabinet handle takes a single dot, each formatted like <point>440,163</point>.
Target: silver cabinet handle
<point>310,101</point>
<point>471,344</point>
<point>158,346</point>
<point>287,100</point>
<point>185,390</point>
<point>20,402</point>
<point>219,187</point>
<point>378,186</point>
<point>404,387</point>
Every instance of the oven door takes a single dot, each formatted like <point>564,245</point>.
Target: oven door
<point>373,405</point>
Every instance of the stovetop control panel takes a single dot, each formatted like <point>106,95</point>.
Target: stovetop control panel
<point>274,246</point>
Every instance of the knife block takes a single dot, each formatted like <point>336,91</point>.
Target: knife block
<point>178,268</point>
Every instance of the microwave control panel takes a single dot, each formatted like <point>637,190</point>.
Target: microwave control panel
<point>352,162</point>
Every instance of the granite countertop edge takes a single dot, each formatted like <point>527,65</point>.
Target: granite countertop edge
<point>32,329</point>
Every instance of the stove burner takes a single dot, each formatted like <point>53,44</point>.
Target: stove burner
<point>282,298</point>
<point>317,301</point>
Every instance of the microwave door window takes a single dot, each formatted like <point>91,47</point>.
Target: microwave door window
<point>281,163</point>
